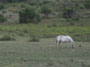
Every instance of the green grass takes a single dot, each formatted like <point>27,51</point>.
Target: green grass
<point>77,32</point>
<point>43,54</point>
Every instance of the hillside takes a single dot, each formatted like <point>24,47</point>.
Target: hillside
<point>10,10</point>
<point>56,17</point>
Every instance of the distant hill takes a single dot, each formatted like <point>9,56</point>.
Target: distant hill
<point>74,10</point>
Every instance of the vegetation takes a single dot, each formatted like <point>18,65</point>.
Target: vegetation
<point>45,31</point>
<point>7,37</point>
<point>87,4</point>
<point>73,10</point>
<point>34,24</point>
<point>46,10</point>
<point>29,15</point>
<point>34,39</point>
<point>34,36</point>
<point>43,54</point>
<point>13,0</point>
<point>1,6</point>
<point>2,19</point>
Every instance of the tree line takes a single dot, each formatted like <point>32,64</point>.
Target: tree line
<point>34,10</point>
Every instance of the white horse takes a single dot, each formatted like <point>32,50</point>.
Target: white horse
<point>65,39</point>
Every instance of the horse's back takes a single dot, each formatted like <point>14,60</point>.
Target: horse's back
<point>64,38</point>
<point>69,38</point>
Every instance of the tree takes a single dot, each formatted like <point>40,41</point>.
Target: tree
<point>87,4</point>
<point>70,10</point>
<point>2,19</point>
<point>68,13</point>
<point>29,15</point>
<point>46,10</point>
<point>1,6</point>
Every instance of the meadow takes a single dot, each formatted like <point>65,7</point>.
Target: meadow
<point>79,33</point>
<point>33,44</point>
<point>16,49</point>
<point>21,53</point>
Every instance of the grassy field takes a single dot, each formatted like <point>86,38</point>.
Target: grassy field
<point>79,33</point>
<point>21,53</point>
<point>17,50</point>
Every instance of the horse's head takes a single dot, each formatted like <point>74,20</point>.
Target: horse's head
<point>73,44</point>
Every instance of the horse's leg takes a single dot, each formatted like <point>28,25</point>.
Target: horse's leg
<point>58,43</point>
<point>66,44</point>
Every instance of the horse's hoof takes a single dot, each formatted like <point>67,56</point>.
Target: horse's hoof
<point>73,46</point>
<point>66,47</point>
<point>80,46</point>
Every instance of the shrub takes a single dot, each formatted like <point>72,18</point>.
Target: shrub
<point>46,2</point>
<point>87,4</point>
<point>70,10</point>
<point>6,37</point>
<point>4,11</point>
<point>29,15</point>
<point>68,13</point>
<point>32,2</point>
<point>50,63</point>
<point>1,6</point>
<point>34,39</point>
<point>2,19</point>
<point>46,10</point>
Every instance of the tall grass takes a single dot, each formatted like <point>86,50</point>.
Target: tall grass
<point>7,37</point>
<point>45,31</point>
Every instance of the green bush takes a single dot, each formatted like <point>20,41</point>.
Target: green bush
<point>2,6</point>
<point>34,39</point>
<point>34,36</point>
<point>2,19</point>
<point>71,10</point>
<point>46,1</point>
<point>29,15</point>
<point>46,10</point>
<point>32,2</point>
<point>87,4</point>
<point>7,37</point>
